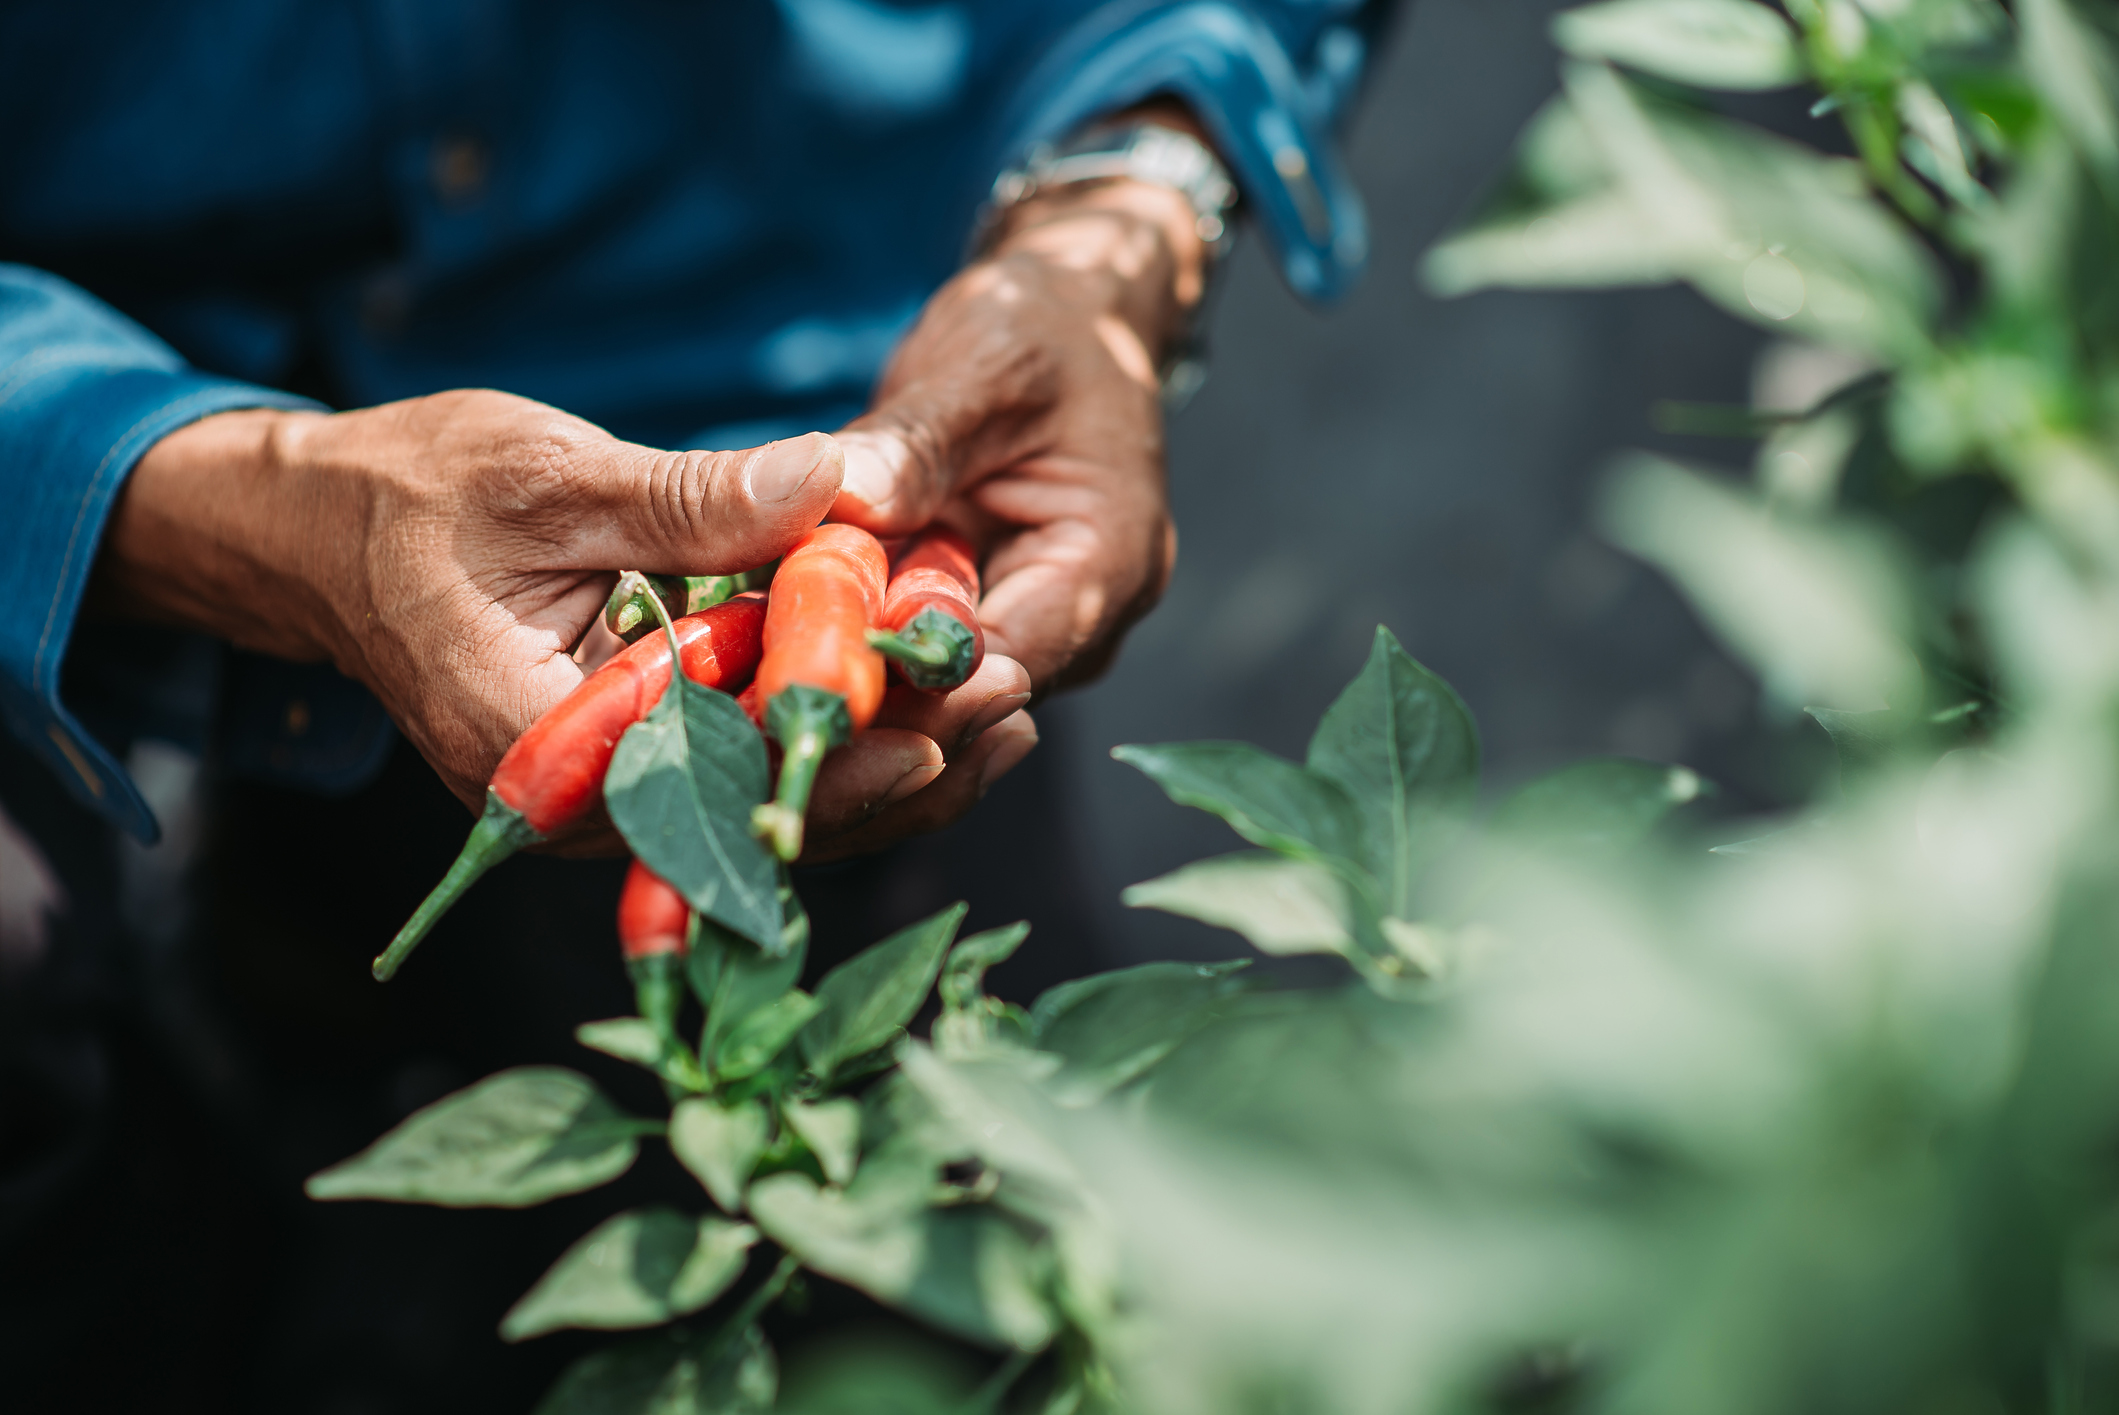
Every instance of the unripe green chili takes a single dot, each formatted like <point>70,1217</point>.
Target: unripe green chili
<point>628,615</point>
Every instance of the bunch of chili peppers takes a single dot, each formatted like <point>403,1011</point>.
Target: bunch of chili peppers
<point>803,643</point>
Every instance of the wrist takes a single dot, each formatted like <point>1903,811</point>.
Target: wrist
<point>214,532</point>
<point>1134,247</point>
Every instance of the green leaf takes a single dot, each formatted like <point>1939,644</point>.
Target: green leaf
<point>517,1138</point>
<point>680,788</point>
<point>2071,65</point>
<point>671,1372</point>
<point>964,975</point>
<point>1401,742</point>
<point>1863,740</point>
<point>762,1036</point>
<point>1618,186</point>
<point>1732,44</point>
<point>1268,800</point>
<point>1819,611</point>
<point>898,1372</point>
<point>635,1269</point>
<point>1596,809</point>
<point>967,1270</point>
<point>631,1039</point>
<point>832,1130</point>
<point>720,1145</point>
<point>868,999</point>
<point>1282,906</point>
<point>1111,1028</point>
<point>749,980</point>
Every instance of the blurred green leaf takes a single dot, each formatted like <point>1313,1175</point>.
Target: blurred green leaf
<point>750,980</point>
<point>1401,743</point>
<point>868,999</point>
<point>967,1270</point>
<point>1268,800</point>
<point>720,1145</point>
<point>1818,613</point>
<point>963,977</point>
<point>517,1138</point>
<point>1111,1028</point>
<point>680,789</point>
<point>1772,231</point>
<point>1282,906</point>
<point>1595,810</point>
<point>755,1042</point>
<point>631,1039</point>
<point>670,1372</point>
<point>2071,65</point>
<point>832,1130</point>
<point>637,1269</point>
<point>1732,44</point>
<point>874,1373</point>
<point>1862,740</point>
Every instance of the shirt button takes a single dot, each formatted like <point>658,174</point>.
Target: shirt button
<point>458,168</point>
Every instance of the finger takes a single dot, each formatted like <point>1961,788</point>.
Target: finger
<point>877,768</point>
<point>997,688</point>
<point>695,513</point>
<point>1061,593</point>
<point>948,796</point>
<point>931,434</point>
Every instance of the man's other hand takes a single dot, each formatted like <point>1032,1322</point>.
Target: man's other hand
<point>1023,409</point>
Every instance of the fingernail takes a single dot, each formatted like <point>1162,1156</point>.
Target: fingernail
<point>995,708</point>
<point>1010,750</point>
<point>868,477</point>
<point>910,782</point>
<point>781,469</point>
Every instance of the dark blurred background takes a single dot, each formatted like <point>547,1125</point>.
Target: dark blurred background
<point>1399,460</point>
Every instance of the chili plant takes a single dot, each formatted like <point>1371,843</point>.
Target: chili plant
<point>1819,1119</point>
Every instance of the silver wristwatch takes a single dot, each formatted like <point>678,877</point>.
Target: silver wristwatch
<point>1142,152</point>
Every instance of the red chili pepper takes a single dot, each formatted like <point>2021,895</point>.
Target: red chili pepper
<point>819,680</point>
<point>654,920</point>
<point>553,776</point>
<point>931,612</point>
<point>654,928</point>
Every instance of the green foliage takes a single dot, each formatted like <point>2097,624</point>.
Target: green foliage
<point>638,1269</point>
<point>680,790</point>
<point>1402,746</point>
<point>865,1002</point>
<point>670,1373</point>
<point>515,1139</point>
<point>720,1144</point>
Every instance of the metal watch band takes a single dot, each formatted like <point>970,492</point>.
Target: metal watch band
<point>1142,152</point>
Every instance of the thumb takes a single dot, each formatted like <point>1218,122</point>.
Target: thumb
<point>698,513</point>
<point>906,457</point>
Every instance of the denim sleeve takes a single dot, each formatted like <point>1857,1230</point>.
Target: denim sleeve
<point>83,393</point>
<point>1270,79</point>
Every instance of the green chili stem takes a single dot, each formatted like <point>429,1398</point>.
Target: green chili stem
<point>897,646</point>
<point>500,832</point>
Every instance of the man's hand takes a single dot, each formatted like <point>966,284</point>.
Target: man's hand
<point>1023,410</point>
<point>448,552</point>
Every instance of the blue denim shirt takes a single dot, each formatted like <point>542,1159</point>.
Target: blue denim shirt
<point>698,223</point>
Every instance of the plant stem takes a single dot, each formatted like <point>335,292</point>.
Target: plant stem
<point>766,1293</point>
<point>988,1395</point>
<point>500,832</point>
